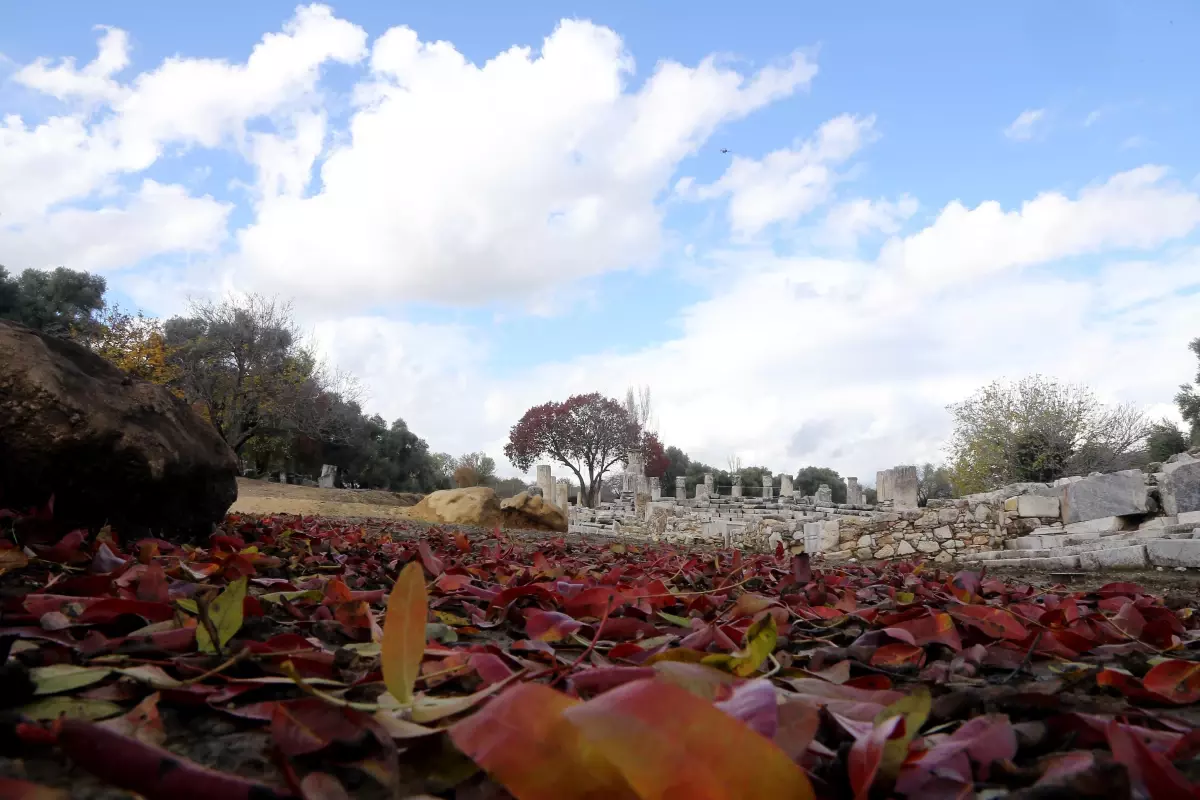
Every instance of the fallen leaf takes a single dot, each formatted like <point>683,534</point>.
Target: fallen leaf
<point>226,614</point>
<point>404,633</point>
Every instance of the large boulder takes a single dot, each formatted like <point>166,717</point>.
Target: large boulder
<point>478,505</point>
<point>109,448</point>
<point>1180,486</point>
<point>1116,494</point>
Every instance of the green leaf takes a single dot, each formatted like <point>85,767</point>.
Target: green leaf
<point>58,678</point>
<point>300,594</point>
<point>914,708</point>
<point>761,639</point>
<point>674,619</point>
<point>404,633</point>
<point>226,615</point>
<point>51,708</point>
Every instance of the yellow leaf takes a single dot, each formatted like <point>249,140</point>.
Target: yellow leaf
<point>58,678</point>
<point>904,598</point>
<point>51,708</point>
<point>12,558</point>
<point>226,615</point>
<point>914,707</point>
<point>761,638</point>
<point>404,633</point>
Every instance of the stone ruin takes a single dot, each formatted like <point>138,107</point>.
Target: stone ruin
<point>1128,519</point>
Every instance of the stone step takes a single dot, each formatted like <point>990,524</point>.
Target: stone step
<point>1179,550</point>
<point>1054,541</point>
<point>1128,538</point>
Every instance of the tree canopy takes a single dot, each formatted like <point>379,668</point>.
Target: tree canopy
<point>1038,429</point>
<point>809,479</point>
<point>587,433</point>
<point>62,302</point>
<point>1188,398</point>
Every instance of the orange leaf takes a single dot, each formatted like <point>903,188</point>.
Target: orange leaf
<point>1175,680</point>
<point>995,622</point>
<point>668,743</point>
<point>898,655</point>
<point>404,633</point>
<point>866,756</point>
<point>522,740</point>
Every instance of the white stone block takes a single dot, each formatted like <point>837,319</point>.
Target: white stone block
<point>1189,518</point>
<point>1032,505</point>
<point>1100,496</point>
<point>1133,557</point>
<point>1174,552</point>
<point>1101,525</point>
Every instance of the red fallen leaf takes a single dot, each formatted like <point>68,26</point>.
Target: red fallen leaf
<point>626,628</point>
<point>523,741</point>
<point>866,755</point>
<point>1152,770</point>
<point>600,679</point>
<point>433,565</point>
<point>310,724</point>
<point>452,583</point>
<point>1176,681</point>
<point>669,743</point>
<point>108,609</point>
<point>593,602</point>
<point>142,722</point>
<point>152,586</point>
<point>898,655</point>
<point>1120,590</point>
<point>14,789</point>
<point>1129,621</point>
<point>932,627</point>
<point>965,586</point>
<point>550,626</point>
<point>995,622</point>
<point>490,667</point>
<point>150,771</point>
<point>462,542</point>
<point>801,569</point>
<point>543,595</point>
<point>754,703</point>
<point>748,604</point>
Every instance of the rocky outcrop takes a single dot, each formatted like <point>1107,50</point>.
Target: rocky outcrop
<point>478,505</point>
<point>109,448</point>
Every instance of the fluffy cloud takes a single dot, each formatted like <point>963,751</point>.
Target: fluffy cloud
<point>1025,125</point>
<point>1136,209</point>
<point>155,220</point>
<point>461,182</point>
<point>848,222</point>
<point>786,184</point>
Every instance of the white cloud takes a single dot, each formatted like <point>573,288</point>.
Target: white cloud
<point>156,219</point>
<point>1135,209</point>
<point>848,222</point>
<point>461,182</point>
<point>1093,117</point>
<point>1023,127</point>
<point>788,183</point>
<point>93,83</point>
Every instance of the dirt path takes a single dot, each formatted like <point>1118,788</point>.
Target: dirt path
<point>262,497</point>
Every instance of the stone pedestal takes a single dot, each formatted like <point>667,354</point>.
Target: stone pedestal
<point>737,486</point>
<point>702,491</point>
<point>328,476</point>
<point>562,494</point>
<point>785,486</point>
<point>812,537</point>
<point>656,488</point>
<point>824,493</point>
<point>854,492</point>
<point>681,489</point>
<point>884,483</point>
<point>768,487</point>
<point>904,488</point>
<point>545,482</point>
<point>708,484</point>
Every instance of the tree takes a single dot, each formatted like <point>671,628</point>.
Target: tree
<point>482,464</point>
<point>809,479</point>
<point>465,476</point>
<point>242,364</point>
<point>1038,429</point>
<point>752,480</point>
<point>587,433</point>
<point>653,456</point>
<point>137,345</point>
<point>933,483</point>
<point>1165,440</point>
<point>640,407</point>
<point>735,464</point>
<point>62,302</point>
<point>1188,398</point>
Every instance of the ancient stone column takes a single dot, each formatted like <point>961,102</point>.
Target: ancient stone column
<point>562,496</point>
<point>785,486</point>
<point>328,476</point>
<point>702,490</point>
<point>681,488</point>
<point>737,486</point>
<point>824,493</point>
<point>708,484</point>
<point>656,488</point>
<point>545,482</point>
<point>854,495</point>
<point>904,488</point>
<point>768,487</point>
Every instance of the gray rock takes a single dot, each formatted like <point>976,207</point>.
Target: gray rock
<point>1180,487</point>
<point>1174,552</point>
<point>1098,496</point>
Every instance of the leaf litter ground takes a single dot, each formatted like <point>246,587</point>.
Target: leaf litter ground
<point>317,658</point>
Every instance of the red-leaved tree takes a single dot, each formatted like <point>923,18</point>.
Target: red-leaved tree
<point>654,456</point>
<point>587,433</point>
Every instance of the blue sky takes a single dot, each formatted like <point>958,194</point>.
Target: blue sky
<point>926,197</point>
